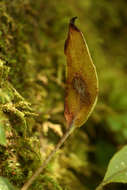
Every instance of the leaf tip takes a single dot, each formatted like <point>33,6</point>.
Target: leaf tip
<point>72,23</point>
<point>72,20</point>
<point>73,27</point>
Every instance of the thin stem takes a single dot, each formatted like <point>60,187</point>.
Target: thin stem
<point>41,168</point>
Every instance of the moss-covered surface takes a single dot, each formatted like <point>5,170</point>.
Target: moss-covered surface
<point>32,75</point>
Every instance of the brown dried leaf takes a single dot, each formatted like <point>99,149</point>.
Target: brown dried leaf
<point>82,81</point>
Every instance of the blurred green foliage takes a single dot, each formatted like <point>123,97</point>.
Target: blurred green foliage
<point>32,76</point>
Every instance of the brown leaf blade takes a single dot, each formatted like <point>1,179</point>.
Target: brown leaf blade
<point>82,82</point>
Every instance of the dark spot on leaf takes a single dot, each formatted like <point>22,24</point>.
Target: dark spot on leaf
<point>80,87</point>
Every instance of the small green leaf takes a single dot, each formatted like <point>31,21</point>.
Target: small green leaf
<point>5,184</point>
<point>117,169</point>
<point>2,135</point>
